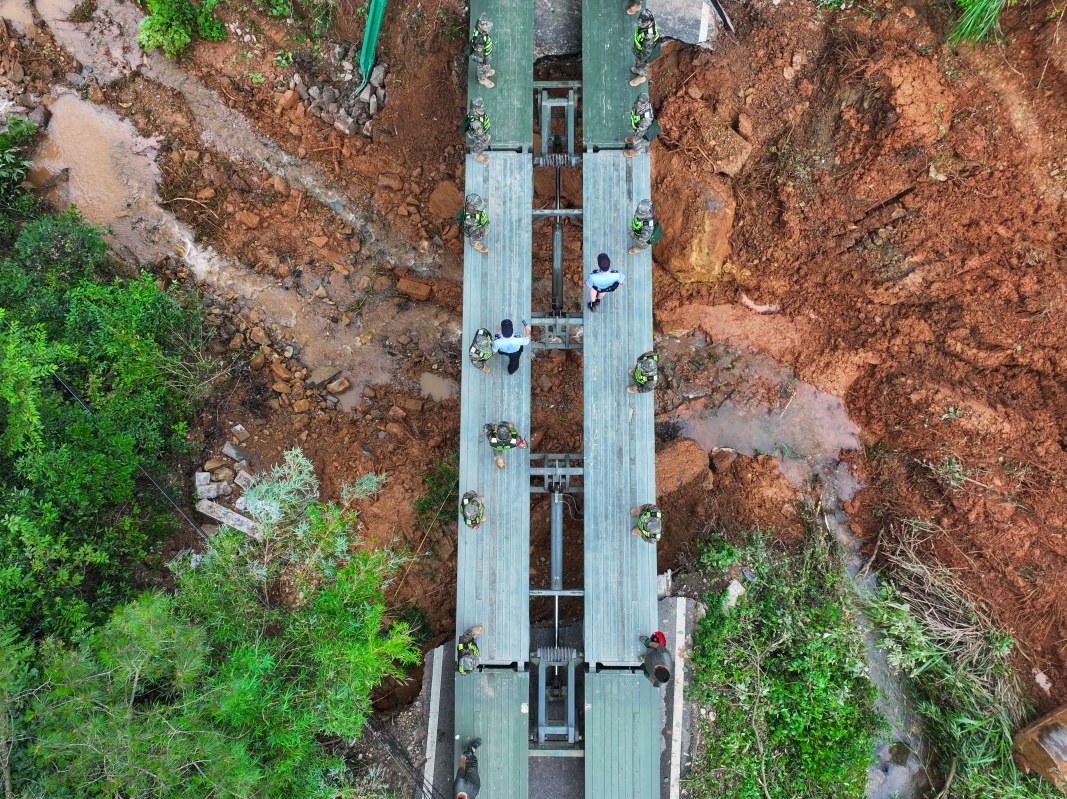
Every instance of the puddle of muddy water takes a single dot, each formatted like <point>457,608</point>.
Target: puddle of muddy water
<point>17,12</point>
<point>436,387</point>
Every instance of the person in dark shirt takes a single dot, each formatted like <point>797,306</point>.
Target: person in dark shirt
<point>657,659</point>
<point>467,780</point>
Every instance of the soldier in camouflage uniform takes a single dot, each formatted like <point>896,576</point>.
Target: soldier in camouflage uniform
<point>649,523</point>
<point>641,119</point>
<point>645,373</point>
<point>480,50</point>
<point>474,221</point>
<point>476,125</point>
<point>646,46</point>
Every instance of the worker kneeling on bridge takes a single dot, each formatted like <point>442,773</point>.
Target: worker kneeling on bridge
<point>467,651</point>
<point>501,437</point>
<point>476,125</point>
<point>649,523</point>
<point>474,221</point>
<point>473,507</point>
<point>644,229</point>
<point>603,281</point>
<point>643,124</point>
<point>481,350</point>
<point>467,780</point>
<point>645,373</point>
<point>657,659</point>
<point>646,46</point>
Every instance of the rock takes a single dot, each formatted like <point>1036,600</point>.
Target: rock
<point>679,463</point>
<point>722,457</point>
<point>392,428</point>
<point>280,186</point>
<point>412,404</point>
<point>322,375</point>
<point>214,490</point>
<point>280,371</point>
<point>745,126</point>
<point>201,478</point>
<point>234,452</point>
<point>248,219</point>
<point>339,386</point>
<point>417,291</point>
<point>372,106</point>
<point>230,519</point>
<point>366,94</point>
<point>258,360</point>
<point>396,412</point>
<point>377,77</point>
<point>445,200</point>
<point>289,99</point>
<point>224,474</point>
<point>697,225</point>
<point>239,431</point>
<point>282,387</point>
<point>215,463</point>
<point>391,181</point>
<point>40,115</point>
<point>734,592</point>
<point>205,194</point>
<point>301,406</point>
<point>74,79</point>
<point>244,478</point>
<point>259,335</point>
<point>237,342</point>
<point>728,150</point>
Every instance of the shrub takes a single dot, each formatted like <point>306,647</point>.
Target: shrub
<point>958,667</point>
<point>15,140</point>
<point>171,24</point>
<point>979,18</point>
<point>786,678</point>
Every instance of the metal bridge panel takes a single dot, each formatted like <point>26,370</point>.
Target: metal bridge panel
<point>492,705</point>
<point>620,457</point>
<point>607,42</point>
<point>622,736</point>
<point>510,102</point>
<point>493,567</point>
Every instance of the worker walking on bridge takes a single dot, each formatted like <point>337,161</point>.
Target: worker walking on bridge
<point>646,46</point>
<point>467,780</point>
<point>507,343</point>
<point>476,125</point>
<point>473,508</point>
<point>480,50</point>
<point>603,281</point>
<point>474,221</point>
<point>641,121</point>
<point>501,437</point>
<point>657,659</point>
<point>467,651</point>
<point>649,523</point>
<point>645,373</point>
<point>644,229</point>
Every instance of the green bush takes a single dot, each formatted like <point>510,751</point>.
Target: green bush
<point>958,668</point>
<point>15,139</point>
<point>171,24</point>
<point>785,676</point>
<point>70,518</point>
<point>298,627</point>
<point>979,19</point>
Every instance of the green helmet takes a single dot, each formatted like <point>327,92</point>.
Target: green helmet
<point>472,509</point>
<point>503,431</point>
<point>474,202</point>
<point>478,105</point>
<point>643,101</point>
<point>645,209</point>
<point>646,18</point>
<point>467,663</point>
<point>485,23</point>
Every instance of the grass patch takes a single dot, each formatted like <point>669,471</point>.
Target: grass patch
<point>785,676</point>
<point>442,484</point>
<point>958,667</point>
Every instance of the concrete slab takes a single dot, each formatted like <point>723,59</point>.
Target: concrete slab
<point>677,618</point>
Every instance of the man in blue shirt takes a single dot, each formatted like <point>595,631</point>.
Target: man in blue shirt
<point>603,281</point>
<point>507,343</point>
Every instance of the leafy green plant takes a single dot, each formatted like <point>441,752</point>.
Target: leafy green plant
<point>979,19</point>
<point>958,667</point>
<point>785,676</point>
<point>15,138</point>
<point>442,483</point>
<point>297,622</point>
<point>171,24</point>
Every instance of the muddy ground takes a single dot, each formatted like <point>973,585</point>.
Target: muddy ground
<point>900,201</point>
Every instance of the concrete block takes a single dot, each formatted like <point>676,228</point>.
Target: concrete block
<point>234,452</point>
<point>230,519</point>
<point>202,478</point>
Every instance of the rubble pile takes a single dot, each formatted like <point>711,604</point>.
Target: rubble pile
<point>332,97</point>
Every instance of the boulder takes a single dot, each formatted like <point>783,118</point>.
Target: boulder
<point>417,291</point>
<point>696,223</point>
<point>322,375</point>
<point>446,199</point>
<point>391,181</point>
<point>679,463</point>
<point>248,219</point>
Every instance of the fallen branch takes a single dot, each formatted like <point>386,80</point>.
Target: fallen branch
<point>758,308</point>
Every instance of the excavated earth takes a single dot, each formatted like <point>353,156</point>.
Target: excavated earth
<point>897,204</point>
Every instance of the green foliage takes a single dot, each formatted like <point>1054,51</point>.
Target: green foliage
<point>958,667</point>
<point>298,626</point>
<point>786,678</point>
<point>171,24</point>
<point>126,713</point>
<point>979,19</point>
<point>15,141</point>
<point>69,522</point>
<point>442,483</point>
